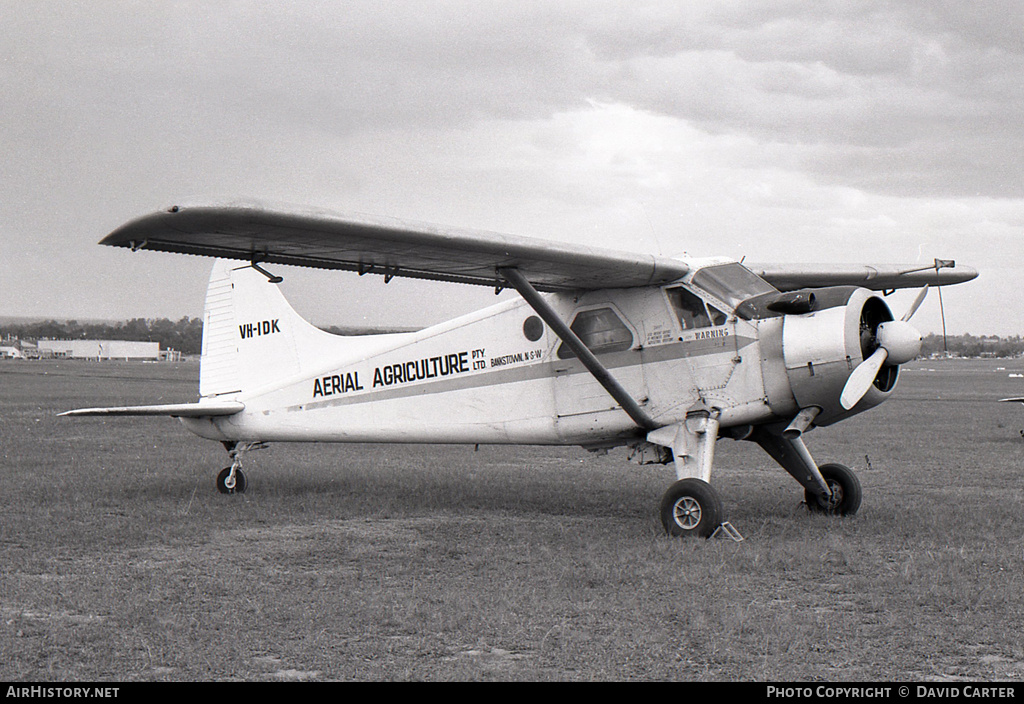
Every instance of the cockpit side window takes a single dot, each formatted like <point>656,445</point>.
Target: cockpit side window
<point>691,310</point>
<point>601,330</point>
<point>717,316</point>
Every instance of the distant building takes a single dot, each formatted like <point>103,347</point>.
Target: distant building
<point>99,349</point>
<point>10,352</point>
<point>31,350</point>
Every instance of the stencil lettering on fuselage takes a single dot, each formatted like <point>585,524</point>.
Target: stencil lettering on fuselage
<point>421,369</point>
<point>336,384</point>
<point>427,368</point>
<point>708,334</point>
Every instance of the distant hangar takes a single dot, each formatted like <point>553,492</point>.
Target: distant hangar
<point>100,349</point>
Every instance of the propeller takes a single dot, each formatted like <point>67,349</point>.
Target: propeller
<point>898,342</point>
<point>916,304</point>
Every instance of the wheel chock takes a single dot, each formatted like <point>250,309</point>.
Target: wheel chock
<point>729,530</point>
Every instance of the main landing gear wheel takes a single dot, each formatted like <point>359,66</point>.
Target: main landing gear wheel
<point>227,485</point>
<point>691,507</point>
<point>846,492</point>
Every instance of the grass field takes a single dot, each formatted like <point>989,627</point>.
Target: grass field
<point>120,561</point>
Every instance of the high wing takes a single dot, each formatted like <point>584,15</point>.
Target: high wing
<point>176,410</point>
<point>790,277</point>
<point>388,246</point>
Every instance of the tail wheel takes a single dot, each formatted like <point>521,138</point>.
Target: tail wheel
<point>228,486</point>
<point>691,507</point>
<point>846,492</point>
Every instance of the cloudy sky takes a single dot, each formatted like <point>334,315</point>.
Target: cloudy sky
<point>817,131</point>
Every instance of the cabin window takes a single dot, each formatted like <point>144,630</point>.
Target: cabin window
<point>691,310</point>
<point>601,330</point>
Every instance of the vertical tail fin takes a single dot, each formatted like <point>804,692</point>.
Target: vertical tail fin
<point>252,336</point>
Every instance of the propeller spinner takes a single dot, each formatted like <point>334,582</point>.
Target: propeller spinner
<point>897,342</point>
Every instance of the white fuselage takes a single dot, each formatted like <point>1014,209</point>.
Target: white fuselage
<point>481,379</point>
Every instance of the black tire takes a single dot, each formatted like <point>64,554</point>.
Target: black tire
<point>846,492</point>
<point>238,488</point>
<point>691,507</point>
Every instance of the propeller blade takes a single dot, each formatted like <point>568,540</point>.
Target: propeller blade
<point>916,304</point>
<point>862,378</point>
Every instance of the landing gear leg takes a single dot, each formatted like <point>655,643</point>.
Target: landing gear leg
<point>231,480</point>
<point>691,506</point>
<point>831,488</point>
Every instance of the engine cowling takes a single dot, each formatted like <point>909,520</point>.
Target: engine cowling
<point>822,349</point>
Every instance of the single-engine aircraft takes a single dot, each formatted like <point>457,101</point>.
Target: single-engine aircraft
<point>603,348</point>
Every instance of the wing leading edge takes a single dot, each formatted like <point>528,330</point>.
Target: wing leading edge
<point>387,246</point>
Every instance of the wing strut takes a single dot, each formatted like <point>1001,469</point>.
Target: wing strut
<point>583,353</point>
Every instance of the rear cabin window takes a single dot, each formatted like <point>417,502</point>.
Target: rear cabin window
<point>601,330</point>
<point>691,310</point>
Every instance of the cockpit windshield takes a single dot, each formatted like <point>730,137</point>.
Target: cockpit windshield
<point>731,283</point>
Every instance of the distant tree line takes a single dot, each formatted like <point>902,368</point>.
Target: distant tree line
<point>185,335</point>
<point>970,346</point>
<point>363,330</point>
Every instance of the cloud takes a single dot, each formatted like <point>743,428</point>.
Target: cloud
<point>785,129</point>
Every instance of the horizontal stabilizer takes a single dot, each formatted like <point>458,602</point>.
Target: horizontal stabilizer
<point>176,410</point>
